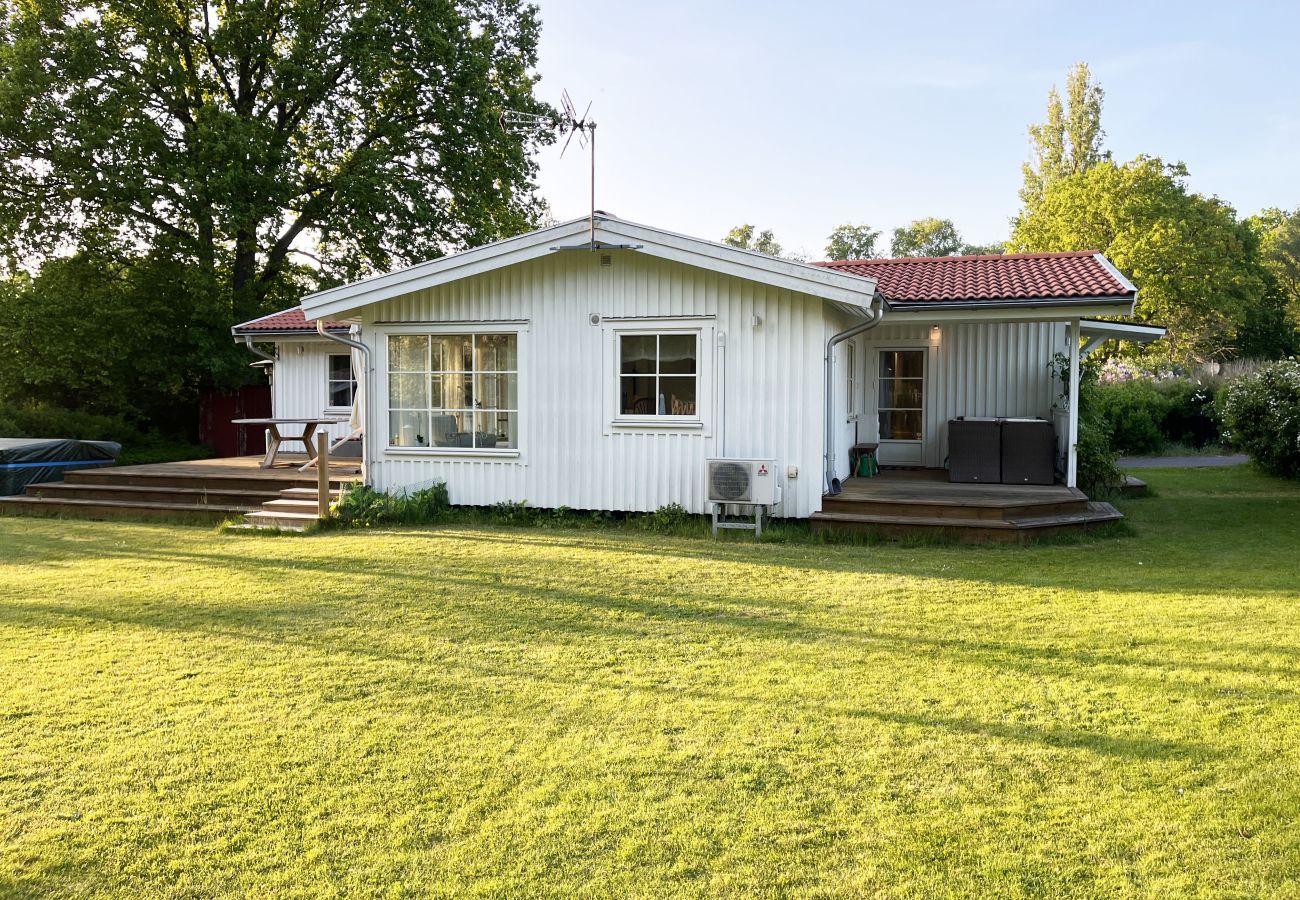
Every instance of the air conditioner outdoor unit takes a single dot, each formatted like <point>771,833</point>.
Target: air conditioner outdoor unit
<point>742,481</point>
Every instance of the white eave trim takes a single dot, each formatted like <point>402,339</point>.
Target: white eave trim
<point>852,290</point>
<point>1116,273</point>
<point>1121,331</point>
<point>1044,310</point>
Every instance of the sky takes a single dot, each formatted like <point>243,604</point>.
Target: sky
<point>800,117</point>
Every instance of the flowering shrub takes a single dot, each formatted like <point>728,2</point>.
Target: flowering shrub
<point>1261,415</point>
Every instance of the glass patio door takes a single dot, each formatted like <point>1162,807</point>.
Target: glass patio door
<point>900,404</point>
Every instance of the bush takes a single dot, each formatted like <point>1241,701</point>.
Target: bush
<point>42,420</point>
<point>361,506</point>
<point>1261,415</point>
<point>669,519</point>
<point>1142,416</point>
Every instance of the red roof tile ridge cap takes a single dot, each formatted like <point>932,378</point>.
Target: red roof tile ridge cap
<point>1045,254</point>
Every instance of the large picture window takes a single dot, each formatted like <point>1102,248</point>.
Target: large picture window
<point>902,392</point>
<point>453,391</point>
<point>342,385</point>
<point>658,374</point>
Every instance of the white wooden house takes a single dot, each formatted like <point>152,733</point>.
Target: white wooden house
<point>550,369</point>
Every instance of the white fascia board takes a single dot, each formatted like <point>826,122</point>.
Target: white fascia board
<point>1122,331</point>
<point>852,290</point>
<point>1017,312</point>
<point>513,250</point>
<point>1118,275</point>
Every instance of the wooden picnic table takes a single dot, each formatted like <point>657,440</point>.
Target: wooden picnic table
<point>275,437</point>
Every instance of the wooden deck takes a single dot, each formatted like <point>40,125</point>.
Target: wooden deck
<point>898,503</point>
<point>197,490</point>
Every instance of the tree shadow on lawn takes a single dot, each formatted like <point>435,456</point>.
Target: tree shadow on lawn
<point>272,628</point>
<point>336,622</point>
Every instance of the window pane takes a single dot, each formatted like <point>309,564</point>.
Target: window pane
<point>495,353</point>
<point>453,390</point>
<point>906,393</point>
<point>636,396</point>
<point>888,390</point>
<point>888,363</point>
<point>408,429</point>
<point>676,396</point>
<point>496,391</point>
<point>911,363</point>
<point>407,392</point>
<point>637,355</point>
<point>452,353</point>
<point>340,367</point>
<point>447,429</point>
<point>499,430</point>
<point>677,354</point>
<point>340,393</point>
<point>408,352</point>
<point>900,425</point>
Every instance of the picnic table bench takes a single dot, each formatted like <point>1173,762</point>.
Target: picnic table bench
<point>274,437</point>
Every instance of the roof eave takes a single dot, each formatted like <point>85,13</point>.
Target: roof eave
<point>855,290</point>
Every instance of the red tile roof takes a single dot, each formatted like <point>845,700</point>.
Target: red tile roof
<point>285,320</point>
<point>1014,276</point>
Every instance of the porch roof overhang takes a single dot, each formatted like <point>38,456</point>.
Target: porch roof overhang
<point>852,293</point>
<point>1097,333</point>
<point>1045,309</point>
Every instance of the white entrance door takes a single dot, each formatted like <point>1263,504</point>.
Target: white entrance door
<point>900,404</point>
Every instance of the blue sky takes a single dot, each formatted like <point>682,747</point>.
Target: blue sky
<point>799,117</point>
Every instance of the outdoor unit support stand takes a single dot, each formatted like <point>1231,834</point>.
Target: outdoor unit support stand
<point>756,526</point>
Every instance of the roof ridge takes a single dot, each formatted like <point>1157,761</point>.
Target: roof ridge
<point>884,260</point>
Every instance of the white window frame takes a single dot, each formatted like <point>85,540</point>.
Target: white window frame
<point>924,379</point>
<point>703,330</point>
<point>519,328</point>
<point>330,381</point>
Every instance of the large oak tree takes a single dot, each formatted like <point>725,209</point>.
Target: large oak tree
<point>232,135</point>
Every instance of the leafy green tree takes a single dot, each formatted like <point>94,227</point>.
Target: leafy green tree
<point>226,135</point>
<point>1196,267</point>
<point>926,237</point>
<point>747,237</point>
<point>1070,141</point>
<point>1279,236</point>
<point>106,336</point>
<point>852,242</point>
<point>997,248</point>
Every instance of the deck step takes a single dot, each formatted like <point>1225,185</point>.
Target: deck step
<point>59,490</point>
<point>117,509</point>
<point>934,508</point>
<point>971,528</point>
<point>287,520</point>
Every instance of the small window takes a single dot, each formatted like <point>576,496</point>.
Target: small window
<point>658,374</point>
<point>342,386</point>
<point>456,391</point>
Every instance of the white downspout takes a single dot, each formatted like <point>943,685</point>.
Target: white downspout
<point>1072,451</point>
<point>877,314</point>
<point>720,391</point>
<point>369,410</point>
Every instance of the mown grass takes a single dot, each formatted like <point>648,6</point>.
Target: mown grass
<point>477,711</point>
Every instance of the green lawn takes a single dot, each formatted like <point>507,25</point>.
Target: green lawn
<point>505,712</point>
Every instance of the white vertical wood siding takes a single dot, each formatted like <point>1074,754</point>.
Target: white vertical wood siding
<point>570,454</point>
<point>973,369</point>
<point>300,383</point>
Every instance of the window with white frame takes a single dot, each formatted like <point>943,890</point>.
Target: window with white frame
<point>453,391</point>
<point>341,383</point>
<point>658,374</point>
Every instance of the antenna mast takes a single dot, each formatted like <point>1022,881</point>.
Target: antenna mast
<point>516,122</point>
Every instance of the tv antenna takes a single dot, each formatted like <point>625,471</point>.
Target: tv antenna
<point>567,120</point>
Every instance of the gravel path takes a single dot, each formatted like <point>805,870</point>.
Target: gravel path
<point>1180,462</point>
